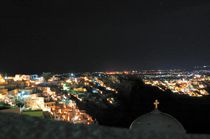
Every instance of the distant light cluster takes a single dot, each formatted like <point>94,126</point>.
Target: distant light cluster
<point>58,95</point>
<point>191,84</point>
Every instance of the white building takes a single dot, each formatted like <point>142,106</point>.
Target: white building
<point>34,103</point>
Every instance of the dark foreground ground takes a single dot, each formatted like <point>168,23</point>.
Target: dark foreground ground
<point>14,126</point>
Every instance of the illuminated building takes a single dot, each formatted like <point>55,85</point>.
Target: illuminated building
<point>34,103</point>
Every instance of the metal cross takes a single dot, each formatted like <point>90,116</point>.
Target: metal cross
<point>156,103</point>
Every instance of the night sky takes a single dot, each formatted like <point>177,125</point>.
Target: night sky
<point>76,36</point>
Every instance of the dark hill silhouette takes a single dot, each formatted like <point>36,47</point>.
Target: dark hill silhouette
<point>192,112</point>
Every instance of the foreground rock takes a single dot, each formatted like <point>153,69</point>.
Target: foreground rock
<point>18,127</point>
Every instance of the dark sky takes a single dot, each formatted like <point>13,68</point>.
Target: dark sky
<point>66,36</point>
